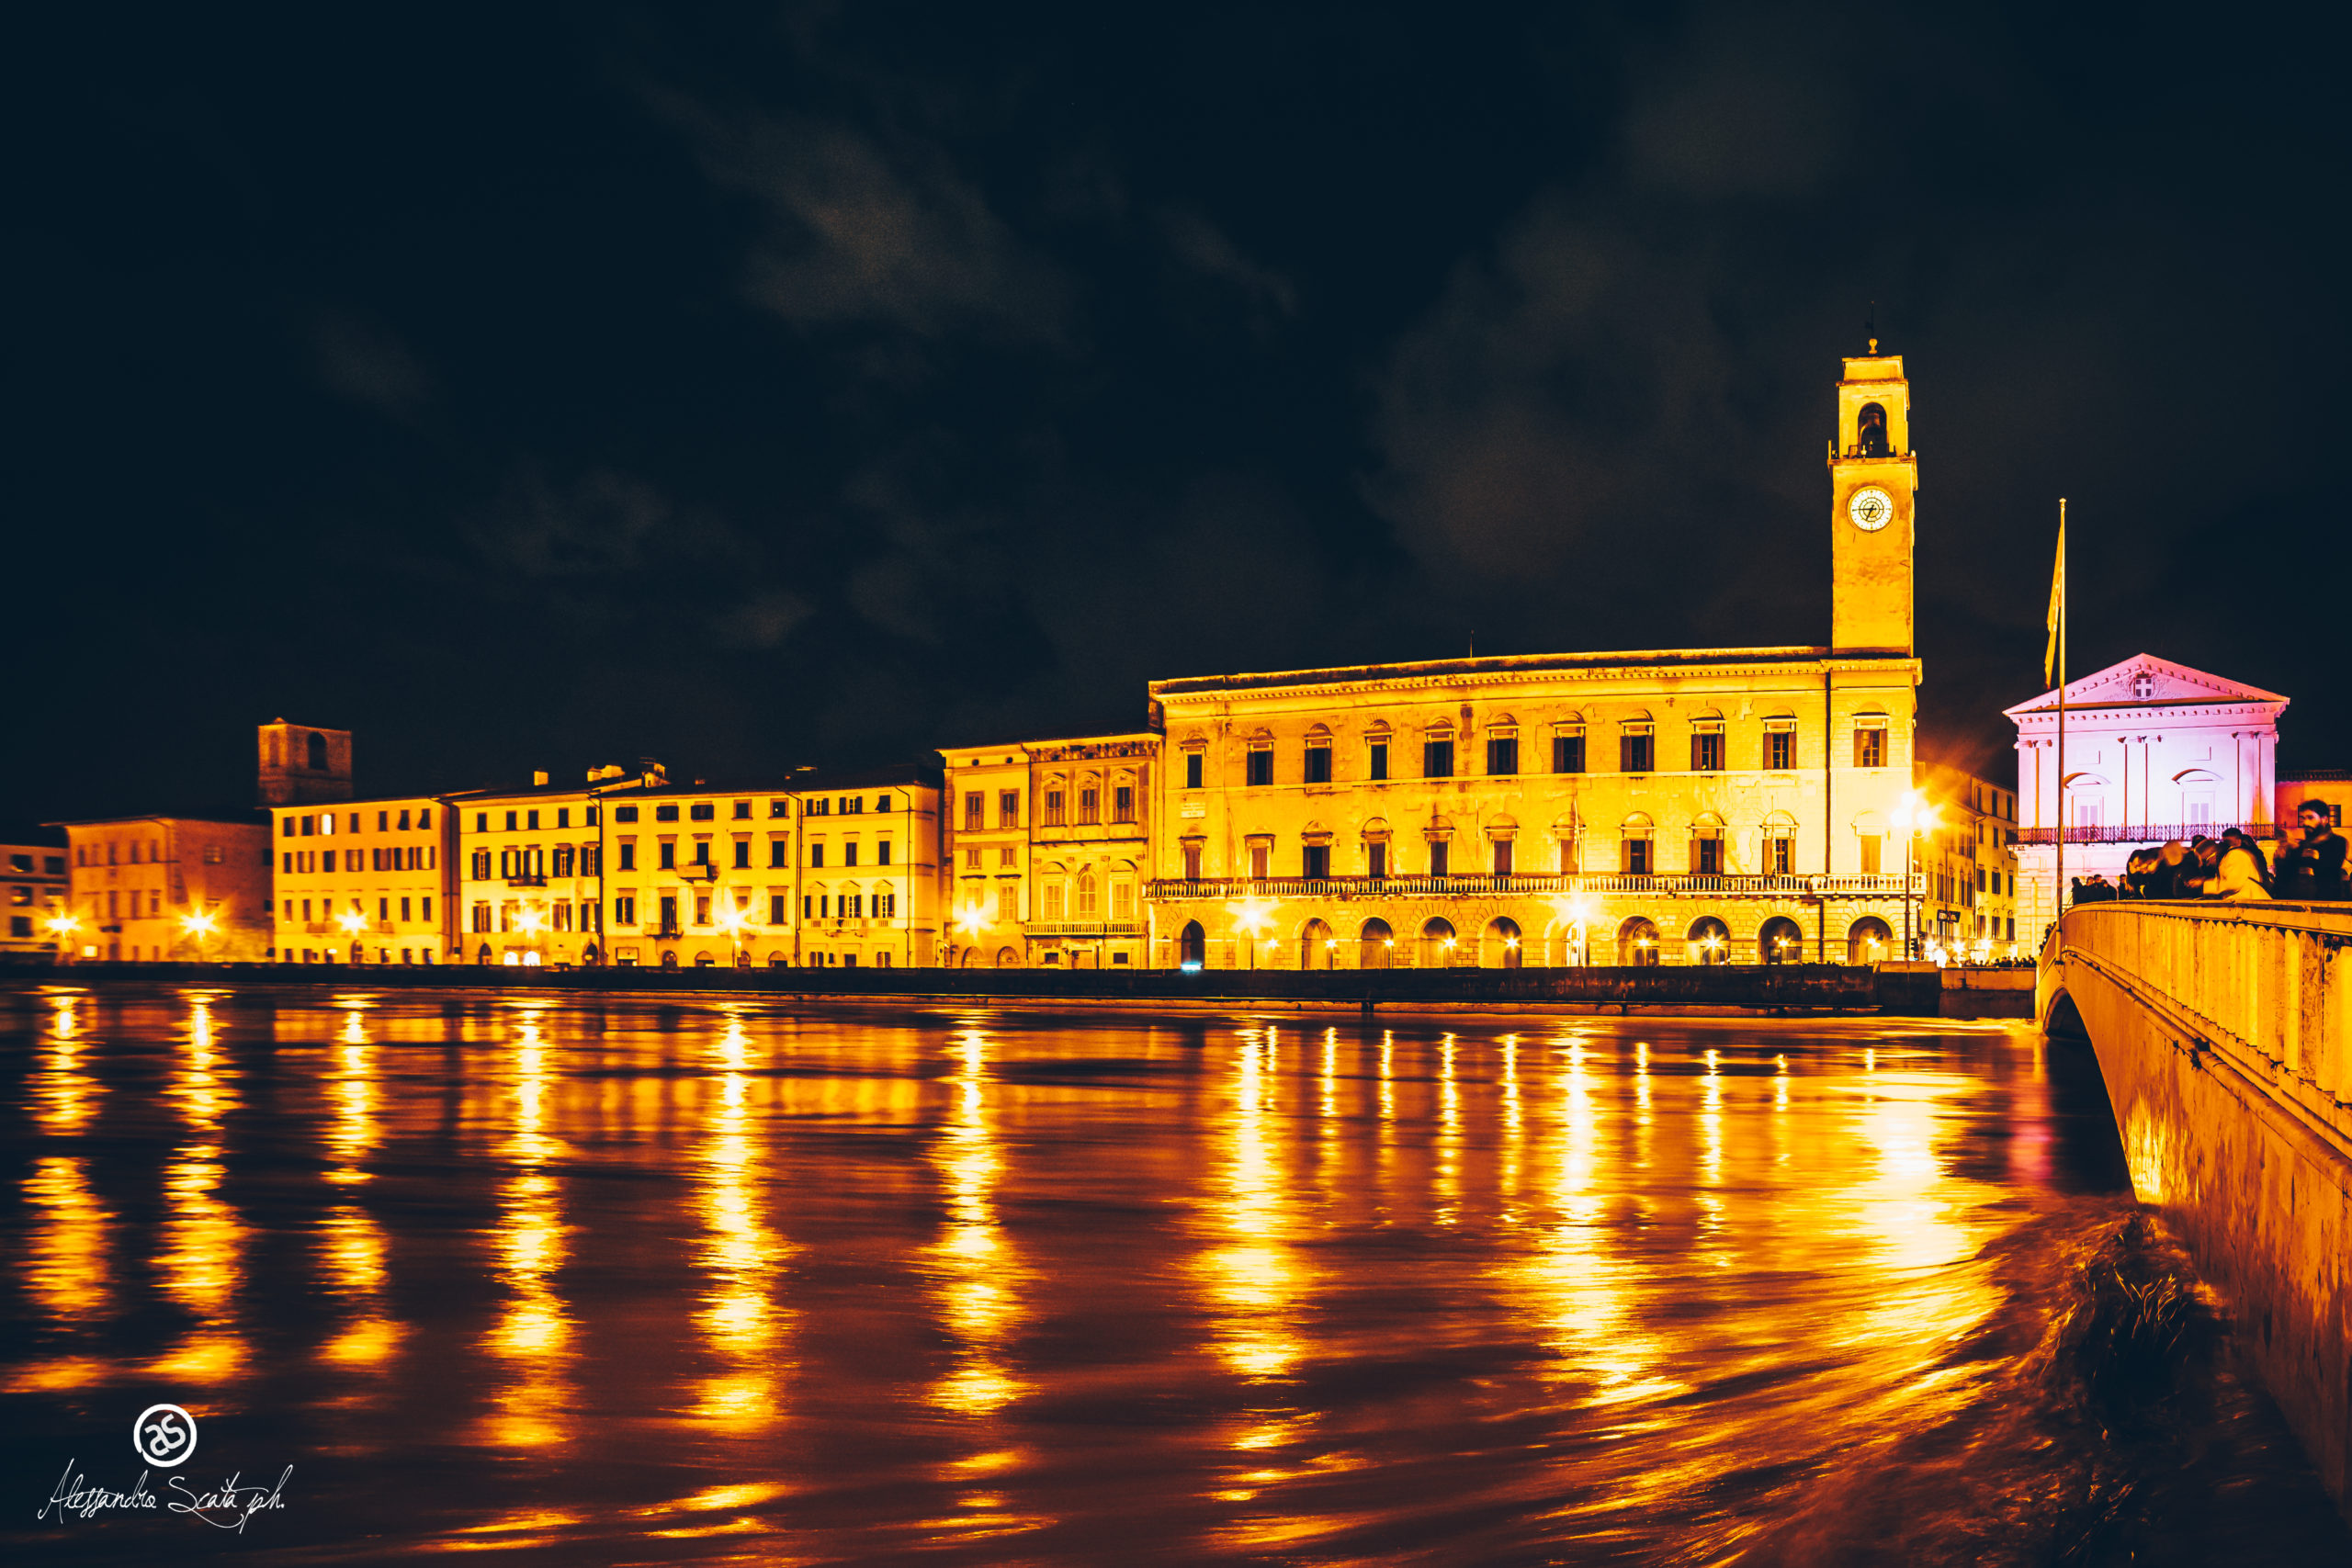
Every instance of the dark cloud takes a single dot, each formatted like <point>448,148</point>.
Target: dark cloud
<point>755,386</point>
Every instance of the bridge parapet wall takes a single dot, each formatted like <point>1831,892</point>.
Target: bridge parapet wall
<point>2224,1034</point>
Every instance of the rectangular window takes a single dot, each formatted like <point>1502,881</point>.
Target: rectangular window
<point>849,853</point>
<point>743,811</point>
<point>779,849</point>
<point>309,825</point>
<point>669,913</point>
<point>423,820</point>
<point>1437,759</point>
<point>625,909</point>
<point>669,855</point>
<point>742,854</point>
<point>882,852</point>
<point>1376,861</point>
<point>779,909</point>
<point>1192,862</point>
<point>1090,805</point>
<point>1191,770</point>
<point>481,917</point>
<point>808,904</point>
<point>1502,857</point>
<point>779,808</point>
<point>665,813</point>
<point>1636,857</point>
<point>512,818</point>
<point>1053,901</point>
<point>1053,808</point>
<point>1317,768</point>
<point>563,816</point>
<point>1707,856</point>
<point>701,910</point>
<point>286,823</point>
<point>1441,854</point>
<point>1567,753</point>
<point>817,857</point>
<point>383,821</point>
<point>1122,804</point>
<point>1870,748</point>
<point>1376,762</point>
<point>1315,862</point>
<point>1502,755</point>
<point>1008,903</point>
<point>629,857</point>
<point>1780,856</point>
<point>1634,754</point>
<point>1008,809</point>
<point>1123,900</point>
<point>624,813</point>
<point>1871,844</point>
<point>1259,855</point>
<point>531,820</point>
<point>1260,766</point>
<point>1707,751</point>
<point>1779,749</point>
<point>404,909</point>
<point>1567,857</point>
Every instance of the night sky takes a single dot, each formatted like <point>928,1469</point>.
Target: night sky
<point>752,386</point>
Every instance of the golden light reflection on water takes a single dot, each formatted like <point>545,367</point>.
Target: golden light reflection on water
<point>201,1262</point>
<point>66,1093</point>
<point>979,1278</point>
<point>1252,1278</point>
<point>66,1267</point>
<point>533,1334</point>
<point>741,1256</point>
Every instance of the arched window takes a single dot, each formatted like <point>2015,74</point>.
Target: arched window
<point>1780,940</point>
<point>1191,945</point>
<point>1499,947</point>
<point>1637,944</point>
<point>1316,945</point>
<point>1870,431</point>
<point>1870,941</point>
<point>1087,905</point>
<point>1375,945</point>
<point>1709,940</point>
<point>317,748</point>
<point>1438,943</point>
<point>1634,846</point>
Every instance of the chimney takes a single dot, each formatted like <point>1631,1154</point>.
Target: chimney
<point>539,780</point>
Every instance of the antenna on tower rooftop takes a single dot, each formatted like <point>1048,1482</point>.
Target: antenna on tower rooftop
<point>1870,328</point>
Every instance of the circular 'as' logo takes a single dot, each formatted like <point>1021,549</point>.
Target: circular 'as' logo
<point>165,1435</point>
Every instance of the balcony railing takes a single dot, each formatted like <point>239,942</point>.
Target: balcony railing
<point>1683,885</point>
<point>526,879</point>
<point>1084,928</point>
<point>2145,832</point>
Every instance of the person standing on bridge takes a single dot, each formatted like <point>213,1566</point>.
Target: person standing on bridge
<point>2314,869</point>
<point>2240,873</point>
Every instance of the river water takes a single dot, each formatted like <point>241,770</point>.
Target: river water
<point>610,1279</point>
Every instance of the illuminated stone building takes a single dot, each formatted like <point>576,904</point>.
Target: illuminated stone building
<point>1967,909</point>
<point>364,882</point>
<point>2155,751</point>
<point>149,889</point>
<point>33,881</point>
<point>838,870</point>
<point>1688,805</point>
<point>1049,847</point>
<point>986,856</point>
<point>300,764</point>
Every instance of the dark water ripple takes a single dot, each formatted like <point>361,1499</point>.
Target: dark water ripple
<point>619,1280</point>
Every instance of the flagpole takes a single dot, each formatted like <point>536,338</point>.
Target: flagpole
<point>2058,880</point>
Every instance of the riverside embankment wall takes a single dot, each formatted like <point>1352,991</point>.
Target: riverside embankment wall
<point>2224,1034</point>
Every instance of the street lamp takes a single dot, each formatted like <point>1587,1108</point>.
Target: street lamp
<point>1915,816</point>
<point>530,922</point>
<point>353,922</point>
<point>730,919</point>
<point>198,923</point>
<point>1251,916</point>
<point>61,925</point>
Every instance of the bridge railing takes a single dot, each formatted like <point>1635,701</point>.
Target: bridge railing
<point>2268,983</point>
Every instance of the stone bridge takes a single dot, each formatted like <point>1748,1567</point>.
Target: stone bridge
<point>2224,1034</point>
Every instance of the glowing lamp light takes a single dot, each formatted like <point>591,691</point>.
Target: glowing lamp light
<point>199,923</point>
<point>61,926</point>
<point>531,923</point>
<point>352,921</point>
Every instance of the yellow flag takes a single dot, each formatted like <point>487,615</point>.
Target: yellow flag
<point>2057,603</point>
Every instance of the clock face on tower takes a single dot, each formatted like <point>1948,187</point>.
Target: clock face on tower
<point>1871,508</point>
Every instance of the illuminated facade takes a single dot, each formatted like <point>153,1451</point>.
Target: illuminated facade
<point>2155,751</point>
<point>150,889</point>
<point>1049,847</point>
<point>33,881</point>
<point>366,883</point>
<point>1693,806</point>
<point>1967,910</point>
<point>634,870</point>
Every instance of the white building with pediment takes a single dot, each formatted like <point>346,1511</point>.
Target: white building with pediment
<point>2155,751</point>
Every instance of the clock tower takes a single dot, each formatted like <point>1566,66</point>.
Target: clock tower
<point>1873,474</point>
